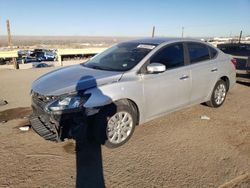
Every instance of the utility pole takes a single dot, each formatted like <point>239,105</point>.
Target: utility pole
<point>240,36</point>
<point>16,66</point>
<point>182,32</point>
<point>153,32</point>
<point>9,34</point>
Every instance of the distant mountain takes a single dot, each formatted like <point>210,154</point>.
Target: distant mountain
<point>64,41</point>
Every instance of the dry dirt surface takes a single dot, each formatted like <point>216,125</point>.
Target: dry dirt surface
<point>177,150</point>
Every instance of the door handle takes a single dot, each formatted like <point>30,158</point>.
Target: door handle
<point>214,70</point>
<point>184,77</point>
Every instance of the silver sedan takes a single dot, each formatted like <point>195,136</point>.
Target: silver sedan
<point>128,84</point>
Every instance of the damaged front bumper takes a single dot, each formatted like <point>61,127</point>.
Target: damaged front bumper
<point>58,126</point>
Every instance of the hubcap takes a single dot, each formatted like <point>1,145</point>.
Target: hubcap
<point>220,94</point>
<point>119,127</point>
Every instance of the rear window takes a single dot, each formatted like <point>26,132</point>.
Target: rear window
<point>198,52</point>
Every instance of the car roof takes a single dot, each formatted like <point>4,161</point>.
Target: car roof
<point>160,40</point>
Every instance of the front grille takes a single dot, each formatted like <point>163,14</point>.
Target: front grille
<point>41,100</point>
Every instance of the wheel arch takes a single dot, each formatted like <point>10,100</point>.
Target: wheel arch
<point>226,80</point>
<point>132,104</point>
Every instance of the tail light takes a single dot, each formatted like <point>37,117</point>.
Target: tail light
<point>234,61</point>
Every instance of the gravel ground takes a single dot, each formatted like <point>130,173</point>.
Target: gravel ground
<point>177,150</point>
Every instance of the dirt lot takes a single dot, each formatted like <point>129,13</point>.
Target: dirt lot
<point>177,150</point>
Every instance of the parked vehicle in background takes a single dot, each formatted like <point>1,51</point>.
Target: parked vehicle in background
<point>238,49</point>
<point>129,84</point>
<point>24,53</point>
<point>44,54</point>
<point>248,65</point>
<point>28,59</point>
<point>5,61</point>
<point>2,61</point>
<point>40,65</point>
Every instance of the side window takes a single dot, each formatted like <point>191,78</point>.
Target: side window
<point>213,52</point>
<point>198,52</point>
<point>171,56</point>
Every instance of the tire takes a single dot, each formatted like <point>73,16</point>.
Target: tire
<point>218,95</point>
<point>105,124</point>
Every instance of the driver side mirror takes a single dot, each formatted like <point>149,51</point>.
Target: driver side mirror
<point>156,68</point>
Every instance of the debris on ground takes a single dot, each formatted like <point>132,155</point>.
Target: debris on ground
<point>204,117</point>
<point>3,102</point>
<point>24,128</point>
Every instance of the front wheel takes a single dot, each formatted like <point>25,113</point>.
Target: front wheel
<point>218,95</point>
<point>115,124</point>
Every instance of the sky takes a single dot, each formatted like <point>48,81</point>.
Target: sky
<point>200,18</point>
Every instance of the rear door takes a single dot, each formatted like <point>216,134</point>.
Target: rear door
<point>204,70</point>
<point>169,90</point>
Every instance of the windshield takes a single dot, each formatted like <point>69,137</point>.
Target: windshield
<point>121,57</point>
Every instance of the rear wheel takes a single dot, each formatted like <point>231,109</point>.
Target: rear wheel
<point>218,95</point>
<point>115,124</point>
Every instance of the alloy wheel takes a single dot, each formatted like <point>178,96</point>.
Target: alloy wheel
<point>119,127</point>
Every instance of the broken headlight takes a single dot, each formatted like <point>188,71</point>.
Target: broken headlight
<point>67,103</point>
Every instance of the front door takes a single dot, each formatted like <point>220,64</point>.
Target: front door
<point>164,92</point>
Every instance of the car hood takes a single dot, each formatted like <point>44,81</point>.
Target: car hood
<point>72,79</point>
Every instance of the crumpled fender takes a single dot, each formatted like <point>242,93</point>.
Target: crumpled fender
<point>106,94</point>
